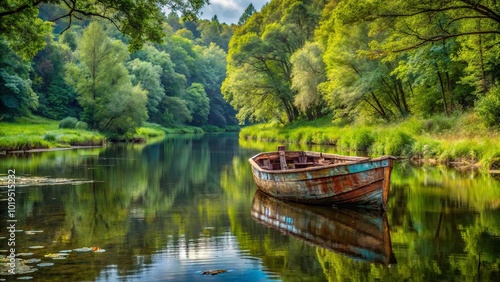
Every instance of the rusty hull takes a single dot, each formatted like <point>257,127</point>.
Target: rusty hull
<point>362,181</point>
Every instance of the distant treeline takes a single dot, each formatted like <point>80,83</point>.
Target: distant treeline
<point>86,70</point>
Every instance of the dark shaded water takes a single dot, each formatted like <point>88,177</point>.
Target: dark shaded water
<point>167,211</point>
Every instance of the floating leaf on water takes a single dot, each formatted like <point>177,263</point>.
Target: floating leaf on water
<point>36,247</point>
<point>20,230</point>
<point>66,251</point>
<point>84,249</point>
<point>57,255</point>
<point>1,238</point>
<point>24,254</point>
<point>4,251</point>
<point>43,264</point>
<point>61,257</point>
<point>33,260</point>
<point>100,251</point>
<point>213,272</point>
<point>32,232</point>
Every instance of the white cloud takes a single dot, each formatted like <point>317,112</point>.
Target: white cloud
<point>229,11</point>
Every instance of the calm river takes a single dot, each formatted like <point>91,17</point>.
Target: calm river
<point>173,209</point>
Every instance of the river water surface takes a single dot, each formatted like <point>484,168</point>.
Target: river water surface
<point>173,209</point>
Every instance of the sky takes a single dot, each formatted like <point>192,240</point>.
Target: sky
<point>229,11</point>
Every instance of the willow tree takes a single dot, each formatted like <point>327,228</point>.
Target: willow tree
<point>109,100</point>
<point>308,72</point>
<point>258,82</point>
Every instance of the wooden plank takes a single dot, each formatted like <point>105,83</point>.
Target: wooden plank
<point>283,164</point>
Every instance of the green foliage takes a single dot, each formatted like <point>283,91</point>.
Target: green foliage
<point>176,111</point>
<point>308,72</point>
<point>151,130</point>
<point>258,84</point>
<point>109,100</point>
<point>57,99</point>
<point>16,95</point>
<point>147,76</point>
<point>197,103</point>
<point>488,107</point>
<point>69,122</point>
<point>140,21</point>
<point>82,125</point>
<point>249,11</point>
<point>394,142</point>
<point>358,139</point>
<point>49,137</point>
<point>38,133</point>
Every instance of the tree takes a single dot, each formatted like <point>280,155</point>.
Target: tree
<point>308,72</point>
<point>413,24</point>
<point>16,95</point>
<point>105,92</point>
<point>139,20</point>
<point>197,103</point>
<point>57,99</point>
<point>147,76</point>
<point>258,84</point>
<point>213,72</point>
<point>249,11</point>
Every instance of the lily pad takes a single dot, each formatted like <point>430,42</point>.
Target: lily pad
<point>83,250</point>
<point>25,278</point>
<point>66,251</point>
<point>33,260</point>
<point>43,264</point>
<point>24,254</point>
<point>56,255</point>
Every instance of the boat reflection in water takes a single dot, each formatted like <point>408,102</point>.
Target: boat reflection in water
<point>357,233</point>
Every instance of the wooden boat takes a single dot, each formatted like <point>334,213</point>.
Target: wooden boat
<point>322,178</point>
<point>362,234</point>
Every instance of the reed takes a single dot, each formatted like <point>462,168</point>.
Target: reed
<point>442,139</point>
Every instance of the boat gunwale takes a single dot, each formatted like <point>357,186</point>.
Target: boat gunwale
<point>356,160</point>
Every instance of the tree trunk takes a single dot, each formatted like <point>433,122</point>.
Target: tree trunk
<point>443,95</point>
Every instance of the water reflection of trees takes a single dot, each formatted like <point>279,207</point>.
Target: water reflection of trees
<point>443,223</point>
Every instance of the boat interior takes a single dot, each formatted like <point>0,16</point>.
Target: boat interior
<point>282,160</point>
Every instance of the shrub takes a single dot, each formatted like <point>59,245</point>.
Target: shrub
<point>69,122</point>
<point>488,107</point>
<point>49,137</point>
<point>82,125</point>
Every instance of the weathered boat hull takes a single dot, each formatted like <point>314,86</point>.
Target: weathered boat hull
<point>365,182</point>
<point>356,233</point>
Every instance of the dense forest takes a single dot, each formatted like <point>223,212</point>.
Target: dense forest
<point>366,60</point>
<point>353,60</point>
<point>89,69</point>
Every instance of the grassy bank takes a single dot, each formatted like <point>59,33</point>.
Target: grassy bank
<point>460,140</point>
<point>34,132</point>
<point>39,133</point>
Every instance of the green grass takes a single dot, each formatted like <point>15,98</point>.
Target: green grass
<point>40,133</point>
<point>443,139</point>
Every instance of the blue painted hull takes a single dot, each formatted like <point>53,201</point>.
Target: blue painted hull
<point>364,182</point>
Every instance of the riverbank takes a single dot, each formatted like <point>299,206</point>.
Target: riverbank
<point>34,134</point>
<point>460,140</point>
